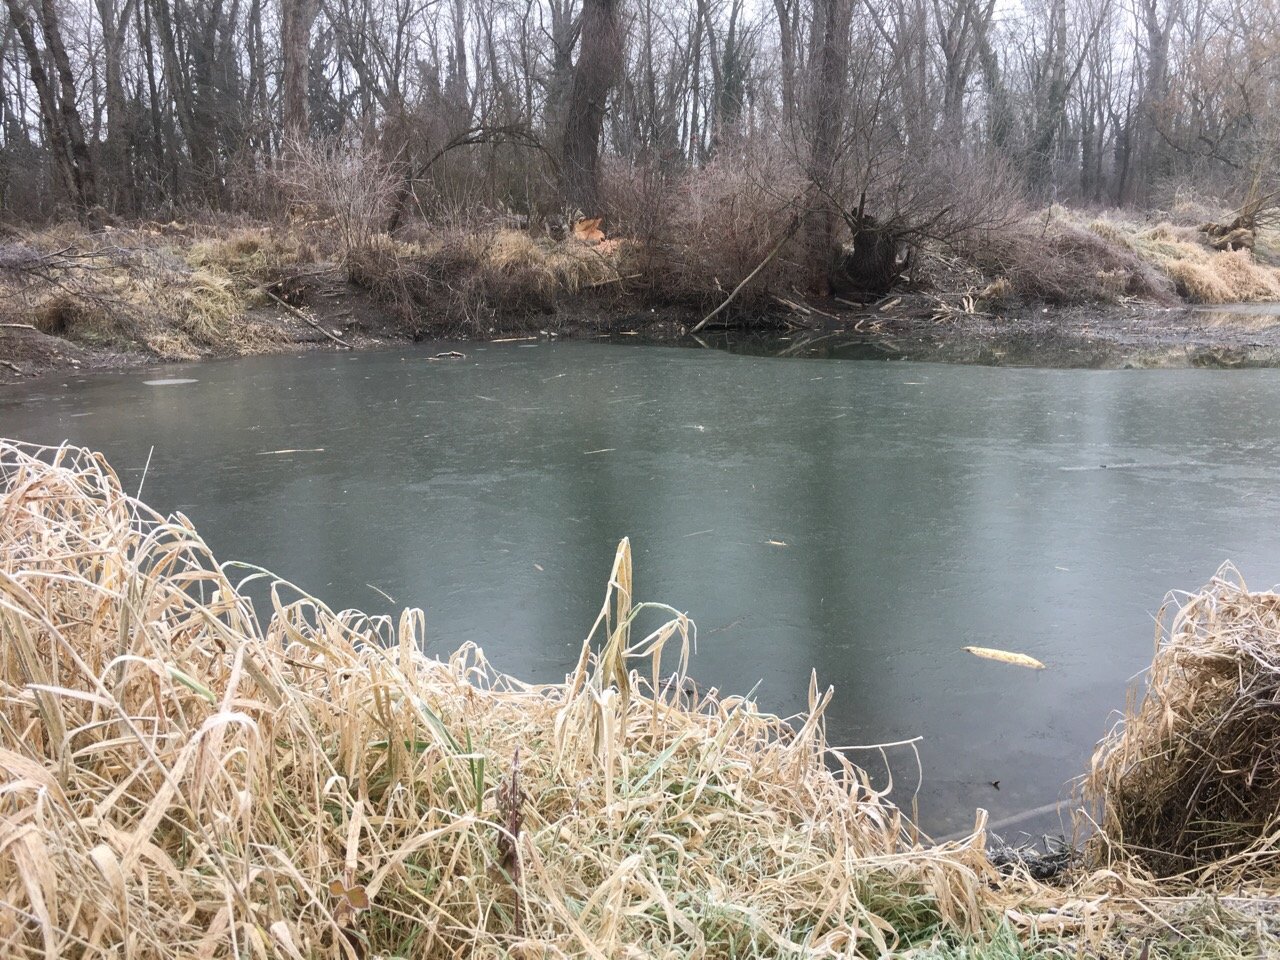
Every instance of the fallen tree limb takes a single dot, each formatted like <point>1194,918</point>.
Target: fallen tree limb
<point>309,320</point>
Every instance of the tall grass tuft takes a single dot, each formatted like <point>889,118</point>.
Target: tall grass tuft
<point>186,774</point>
<point>1190,782</point>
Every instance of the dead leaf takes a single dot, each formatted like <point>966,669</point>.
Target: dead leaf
<point>1004,656</point>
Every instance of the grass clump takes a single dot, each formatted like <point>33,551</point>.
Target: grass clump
<point>186,775</point>
<point>462,280</point>
<point>1190,782</point>
<point>128,288</point>
<point>256,256</point>
<point>184,772</point>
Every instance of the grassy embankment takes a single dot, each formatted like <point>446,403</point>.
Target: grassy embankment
<point>183,775</point>
<point>181,291</point>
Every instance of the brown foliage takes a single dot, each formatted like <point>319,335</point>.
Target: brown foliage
<point>698,233</point>
<point>1063,263</point>
<point>459,281</point>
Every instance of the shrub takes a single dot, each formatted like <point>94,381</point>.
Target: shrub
<point>698,233</point>
<point>1061,262</point>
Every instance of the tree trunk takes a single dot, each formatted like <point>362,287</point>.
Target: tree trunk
<point>599,64</point>
<point>296,18</point>
<point>80,158</point>
<point>57,106</point>
<point>1052,103</point>
<point>1154,89</point>
<point>119,127</point>
<point>829,66</point>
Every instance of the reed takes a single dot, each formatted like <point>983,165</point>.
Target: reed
<point>185,773</point>
<point>1189,783</point>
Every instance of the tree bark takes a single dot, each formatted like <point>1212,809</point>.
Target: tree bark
<point>599,64</point>
<point>119,128</point>
<point>57,106</point>
<point>296,18</point>
<point>829,66</point>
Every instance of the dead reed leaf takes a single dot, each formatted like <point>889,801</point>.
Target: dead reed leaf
<point>1005,656</point>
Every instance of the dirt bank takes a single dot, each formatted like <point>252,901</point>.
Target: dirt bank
<point>1132,336</point>
<point>77,300</point>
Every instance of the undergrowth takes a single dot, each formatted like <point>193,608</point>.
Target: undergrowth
<point>184,772</point>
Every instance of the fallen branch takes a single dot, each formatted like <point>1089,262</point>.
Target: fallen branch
<point>777,248</point>
<point>19,326</point>
<point>309,320</point>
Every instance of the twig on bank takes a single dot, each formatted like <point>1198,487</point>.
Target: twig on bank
<point>309,320</point>
<point>617,279</point>
<point>12,366</point>
<point>793,306</point>
<point>19,326</point>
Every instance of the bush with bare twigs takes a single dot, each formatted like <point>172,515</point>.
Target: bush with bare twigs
<point>1057,261</point>
<point>351,185</point>
<point>460,281</point>
<point>699,232</point>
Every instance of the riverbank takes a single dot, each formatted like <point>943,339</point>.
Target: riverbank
<point>309,783</point>
<point>1057,289</point>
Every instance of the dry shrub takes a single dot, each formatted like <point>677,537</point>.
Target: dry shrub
<point>1061,262</point>
<point>699,234</point>
<point>185,775</point>
<point>1190,782</point>
<point>352,185</point>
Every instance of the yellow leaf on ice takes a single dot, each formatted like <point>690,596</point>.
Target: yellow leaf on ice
<point>1004,656</point>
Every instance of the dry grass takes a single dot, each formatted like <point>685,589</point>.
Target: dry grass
<point>1199,273</point>
<point>255,255</point>
<point>461,281</point>
<point>1190,782</point>
<point>1062,256</point>
<point>183,774</point>
<point>142,287</point>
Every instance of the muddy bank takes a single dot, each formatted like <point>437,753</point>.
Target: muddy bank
<point>1137,336</point>
<point>1133,336</point>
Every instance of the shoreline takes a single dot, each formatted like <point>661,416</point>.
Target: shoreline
<point>1130,336</point>
<point>145,293</point>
